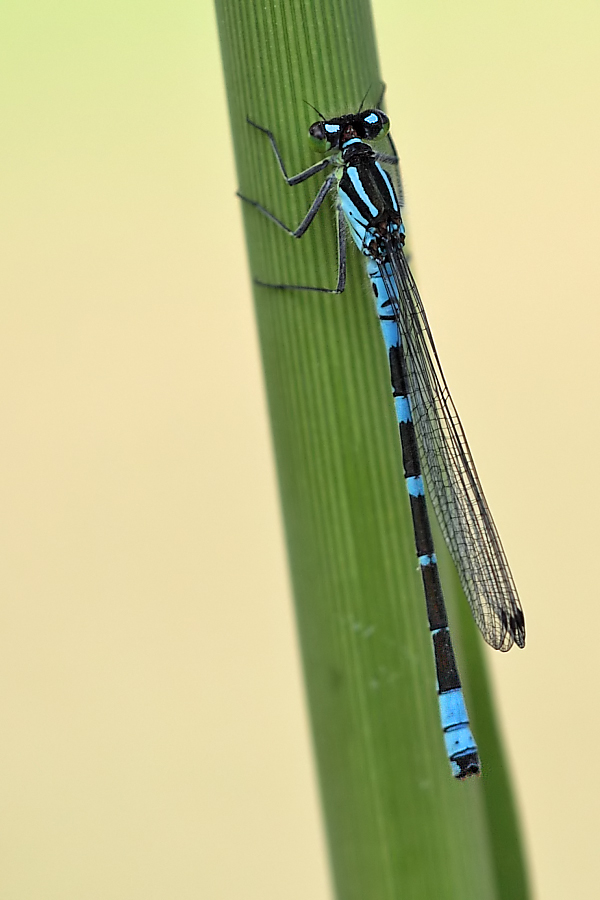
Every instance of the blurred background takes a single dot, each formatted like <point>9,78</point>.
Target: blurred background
<point>154,736</point>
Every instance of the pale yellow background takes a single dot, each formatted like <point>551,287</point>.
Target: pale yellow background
<point>153,740</point>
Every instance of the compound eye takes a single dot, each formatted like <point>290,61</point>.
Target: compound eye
<point>376,124</point>
<point>318,135</point>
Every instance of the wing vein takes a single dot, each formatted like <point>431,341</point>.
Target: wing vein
<point>450,474</point>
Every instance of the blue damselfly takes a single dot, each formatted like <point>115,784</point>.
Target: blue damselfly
<point>431,435</point>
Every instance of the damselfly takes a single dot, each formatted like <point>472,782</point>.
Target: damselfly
<point>431,435</point>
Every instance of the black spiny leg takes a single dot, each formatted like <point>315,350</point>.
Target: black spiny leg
<point>306,222</point>
<point>301,176</point>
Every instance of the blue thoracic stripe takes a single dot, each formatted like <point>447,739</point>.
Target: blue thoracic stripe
<point>356,218</point>
<point>358,187</point>
<point>355,209</point>
<point>388,184</point>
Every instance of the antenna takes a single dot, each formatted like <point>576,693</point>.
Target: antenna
<point>363,100</point>
<point>380,101</point>
<point>315,109</point>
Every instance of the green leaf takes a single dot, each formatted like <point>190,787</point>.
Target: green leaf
<point>398,824</point>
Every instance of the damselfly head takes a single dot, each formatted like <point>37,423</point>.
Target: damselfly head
<point>369,125</point>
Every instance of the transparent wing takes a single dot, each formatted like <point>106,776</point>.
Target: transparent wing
<point>449,471</point>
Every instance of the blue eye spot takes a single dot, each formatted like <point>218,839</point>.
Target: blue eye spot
<point>332,129</point>
<point>373,119</point>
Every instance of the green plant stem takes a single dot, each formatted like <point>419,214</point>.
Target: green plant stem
<point>398,825</point>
